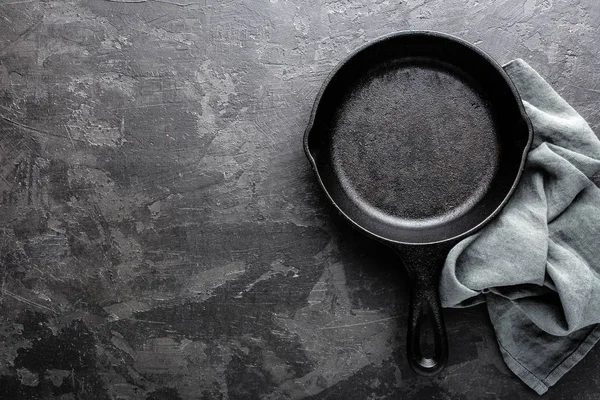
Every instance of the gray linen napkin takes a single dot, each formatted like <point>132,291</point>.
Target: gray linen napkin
<point>537,265</point>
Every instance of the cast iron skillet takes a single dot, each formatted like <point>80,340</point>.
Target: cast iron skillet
<point>418,140</point>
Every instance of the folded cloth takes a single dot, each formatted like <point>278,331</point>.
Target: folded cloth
<point>537,265</point>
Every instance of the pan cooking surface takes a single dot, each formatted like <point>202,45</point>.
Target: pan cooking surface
<point>414,142</point>
<point>418,138</point>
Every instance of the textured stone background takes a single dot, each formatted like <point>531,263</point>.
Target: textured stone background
<point>161,234</point>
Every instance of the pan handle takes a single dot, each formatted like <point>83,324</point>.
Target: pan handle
<point>424,264</point>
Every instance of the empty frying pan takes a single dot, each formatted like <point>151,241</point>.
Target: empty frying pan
<point>418,139</point>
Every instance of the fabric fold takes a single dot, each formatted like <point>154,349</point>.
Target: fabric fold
<point>537,265</point>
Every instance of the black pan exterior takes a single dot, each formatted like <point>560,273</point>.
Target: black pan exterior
<point>418,138</point>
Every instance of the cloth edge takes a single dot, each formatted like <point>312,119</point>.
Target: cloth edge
<point>541,386</point>
<point>514,61</point>
<point>523,373</point>
<point>568,363</point>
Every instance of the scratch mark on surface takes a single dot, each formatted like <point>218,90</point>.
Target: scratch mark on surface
<point>173,3</point>
<point>17,2</point>
<point>70,137</point>
<point>157,1</point>
<point>178,103</point>
<point>8,184</point>
<point>584,88</point>
<point>30,181</point>
<point>10,109</point>
<point>31,128</point>
<point>29,302</point>
<point>127,1</point>
<point>53,277</point>
<point>21,35</point>
<point>360,323</point>
<point>304,388</point>
<point>147,321</point>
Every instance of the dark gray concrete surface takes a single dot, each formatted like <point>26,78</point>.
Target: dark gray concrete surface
<point>161,233</point>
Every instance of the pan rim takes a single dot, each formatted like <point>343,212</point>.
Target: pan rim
<point>499,70</point>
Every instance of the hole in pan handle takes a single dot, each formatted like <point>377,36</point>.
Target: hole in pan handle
<point>424,265</point>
